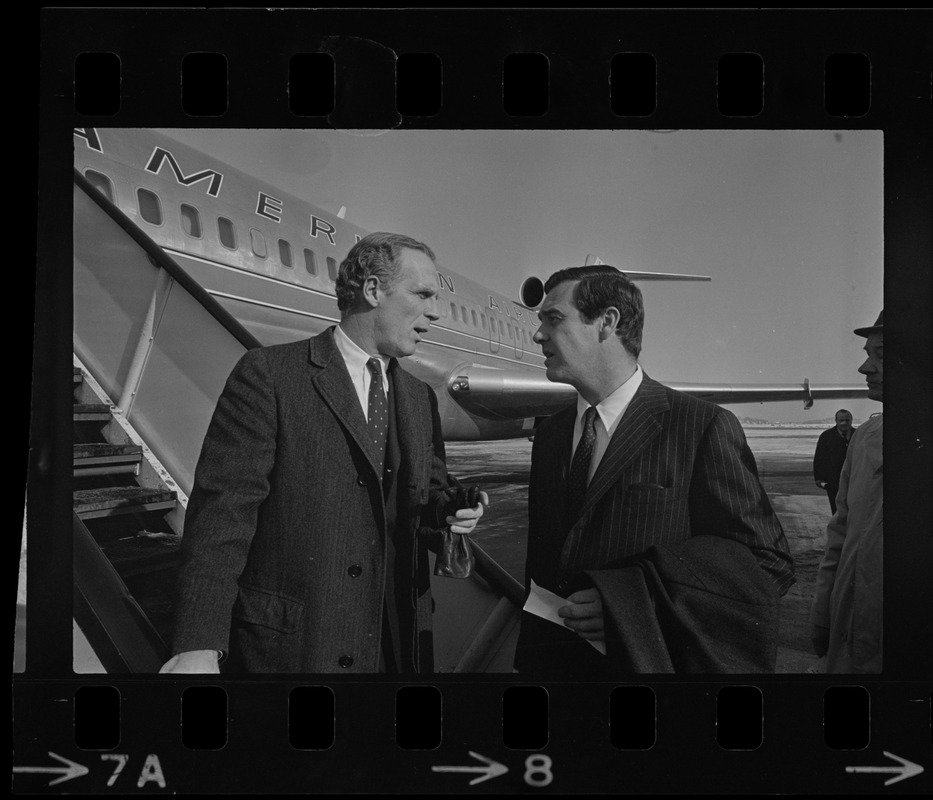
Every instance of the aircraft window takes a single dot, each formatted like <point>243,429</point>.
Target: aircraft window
<point>332,268</point>
<point>227,233</point>
<point>285,253</point>
<point>475,320</point>
<point>258,241</point>
<point>149,207</point>
<point>510,330</point>
<point>100,182</point>
<point>463,312</point>
<point>453,312</point>
<point>310,263</point>
<point>191,220</point>
<point>482,318</point>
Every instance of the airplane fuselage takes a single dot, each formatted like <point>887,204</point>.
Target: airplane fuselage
<point>271,259</point>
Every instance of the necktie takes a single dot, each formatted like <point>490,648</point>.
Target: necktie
<point>580,467</point>
<point>378,411</point>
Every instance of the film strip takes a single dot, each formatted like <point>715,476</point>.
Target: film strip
<point>482,732</point>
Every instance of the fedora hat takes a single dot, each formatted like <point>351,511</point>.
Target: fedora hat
<point>878,327</point>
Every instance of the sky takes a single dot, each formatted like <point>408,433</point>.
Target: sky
<point>788,224</point>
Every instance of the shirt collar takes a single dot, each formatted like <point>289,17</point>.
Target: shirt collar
<point>355,356</point>
<point>613,406</point>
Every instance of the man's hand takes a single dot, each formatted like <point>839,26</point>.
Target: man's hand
<point>584,615</point>
<point>819,638</point>
<point>464,521</point>
<point>192,662</point>
<point>821,484</point>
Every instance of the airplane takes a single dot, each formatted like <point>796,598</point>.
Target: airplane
<point>271,260</point>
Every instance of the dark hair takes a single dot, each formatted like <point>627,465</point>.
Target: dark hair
<point>601,287</point>
<point>375,254</point>
<point>842,411</point>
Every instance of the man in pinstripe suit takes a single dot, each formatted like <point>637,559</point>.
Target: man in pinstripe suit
<point>645,509</point>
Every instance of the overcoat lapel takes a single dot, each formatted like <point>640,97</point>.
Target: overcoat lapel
<point>638,427</point>
<point>332,381</point>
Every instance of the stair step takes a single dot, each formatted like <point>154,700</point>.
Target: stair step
<point>142,553</point>
<point>103,458</point>
<point>91,412</point>
<point>105,453</point>
<point>113,500</point>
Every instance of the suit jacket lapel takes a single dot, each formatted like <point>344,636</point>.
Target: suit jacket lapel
<point>412,416</point>
<point>637,428</point>
<point>332,381</point>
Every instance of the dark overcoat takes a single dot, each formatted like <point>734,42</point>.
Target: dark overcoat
<point>676,468</point>
<point>829,457</point>
<point>283,558</point>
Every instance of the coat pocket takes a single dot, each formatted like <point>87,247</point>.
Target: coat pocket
<point>650,493</point>
<point>269,609</point>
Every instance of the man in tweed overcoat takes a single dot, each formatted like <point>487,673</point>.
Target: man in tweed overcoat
<point>306,538</point>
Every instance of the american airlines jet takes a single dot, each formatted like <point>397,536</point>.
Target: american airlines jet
<point>271,260</point>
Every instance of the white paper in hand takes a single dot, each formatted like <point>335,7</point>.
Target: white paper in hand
<point>544,604</point>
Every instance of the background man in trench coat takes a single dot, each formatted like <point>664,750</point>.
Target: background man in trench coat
<point>320,488</point>
<point>847,612</point>
<point>645,509</point>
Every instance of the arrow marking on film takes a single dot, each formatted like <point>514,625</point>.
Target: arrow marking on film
<point>493,769</point>
<point>907,769</point>
<point>69,771</point>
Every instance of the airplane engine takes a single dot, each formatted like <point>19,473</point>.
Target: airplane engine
<point>531,292</point>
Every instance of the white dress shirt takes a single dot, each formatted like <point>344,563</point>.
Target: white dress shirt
<point>355,358</point>
<point>608,414</point>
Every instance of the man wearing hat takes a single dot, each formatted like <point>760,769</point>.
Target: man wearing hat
<point>847,609</point>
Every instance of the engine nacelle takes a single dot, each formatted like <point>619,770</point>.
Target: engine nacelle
<point>531,293</point>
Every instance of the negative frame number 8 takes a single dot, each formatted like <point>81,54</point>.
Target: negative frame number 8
<point>538,771</point>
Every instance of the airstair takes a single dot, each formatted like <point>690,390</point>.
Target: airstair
<point>152,351</point>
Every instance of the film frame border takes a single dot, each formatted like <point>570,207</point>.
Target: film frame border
<point>792,45</point>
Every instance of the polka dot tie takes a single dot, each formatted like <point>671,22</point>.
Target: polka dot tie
<point>580,467</point>
<point>378,413</point>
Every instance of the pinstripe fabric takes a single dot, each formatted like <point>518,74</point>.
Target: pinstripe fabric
<point>676,467</point>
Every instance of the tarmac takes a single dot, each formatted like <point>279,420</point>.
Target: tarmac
<point>784,456</point>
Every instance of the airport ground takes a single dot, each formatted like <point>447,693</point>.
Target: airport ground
<point>784,456</point>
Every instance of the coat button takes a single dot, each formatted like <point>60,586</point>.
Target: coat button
<point>561,586</point>
<point>345,662</point>
<point>354,570</point>
<point>361,480</point>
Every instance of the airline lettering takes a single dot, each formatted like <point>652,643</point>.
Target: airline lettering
<point>160,155</point>
<point>269,207</point>
<point>318,224</point>
<point>445,282</point>
<point>510,311</point>
<point>90,137</point>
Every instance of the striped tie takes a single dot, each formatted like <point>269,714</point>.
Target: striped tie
<point>378,412</point>
<point>580,467</point>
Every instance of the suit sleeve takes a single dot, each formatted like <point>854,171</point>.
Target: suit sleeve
<point>835,539</point>
<point>230,483</point>
<point>728,500</point>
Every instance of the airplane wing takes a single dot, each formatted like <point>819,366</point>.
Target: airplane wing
<point>502,394</point>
